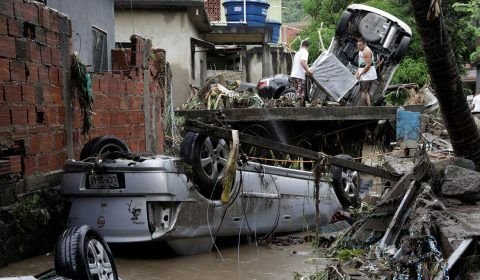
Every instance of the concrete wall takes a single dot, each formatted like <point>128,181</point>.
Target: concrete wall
<point>280,63</point>
<point>84,14</point>
<point>254,67</point>
<point>170,30</point>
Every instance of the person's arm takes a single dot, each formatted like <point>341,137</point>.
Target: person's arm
<point>305,67</point>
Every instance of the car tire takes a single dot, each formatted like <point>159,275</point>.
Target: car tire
<point>102,145</point>
<point>346,184</point>
<point>290,93</point>
<point>343,23</point>
<point>402,49</point>
<point>82,253</point>
<point>208,158</point>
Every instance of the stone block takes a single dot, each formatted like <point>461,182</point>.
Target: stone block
<point>461,183</point>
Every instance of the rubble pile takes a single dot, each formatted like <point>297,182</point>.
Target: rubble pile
<point>426,227</point>
<point>218,93</point>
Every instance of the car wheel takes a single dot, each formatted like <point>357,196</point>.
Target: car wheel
<point>82,253</point>
<point>104,145</point>
<point>346,184</point>
<point>343,23</point>
<point>290,93</point>
<point>208,157</point>
<point>402,48</point>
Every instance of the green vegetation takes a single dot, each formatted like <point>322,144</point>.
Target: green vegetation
<point>348,254</point>
<point>472,8</point>
<point>293,11</point>
<point>459,17</point>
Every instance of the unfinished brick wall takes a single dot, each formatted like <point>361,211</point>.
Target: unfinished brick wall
<point>290,32</point>
<point>32,112</point>
<point>33,122</point>
<point>119,107</point>
<point>35,127</point>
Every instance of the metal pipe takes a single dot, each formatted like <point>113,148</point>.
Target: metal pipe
<point>245,11</point>
<point>260,195</point>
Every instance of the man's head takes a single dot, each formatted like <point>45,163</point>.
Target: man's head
<point>361,43</point>
<point>305,44</point>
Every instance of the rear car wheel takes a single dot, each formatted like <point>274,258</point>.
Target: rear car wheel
<point>208,157</point>
<point>290,93</point>
<point>343,23</point>
<point>346,184</point>
<point>104,145</point>
<point>82,253</point>
<point>401,51</point>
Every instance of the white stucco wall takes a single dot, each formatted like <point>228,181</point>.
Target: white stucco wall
<point>170,30</point>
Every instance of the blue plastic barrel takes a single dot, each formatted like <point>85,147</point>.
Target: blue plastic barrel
<point>256,11</point>
<point>275,29</point>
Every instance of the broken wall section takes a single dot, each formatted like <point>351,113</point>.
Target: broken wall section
<point>32,126</point>
<point>32,109</point>
<point>128,101</point>
<point>40,127</point>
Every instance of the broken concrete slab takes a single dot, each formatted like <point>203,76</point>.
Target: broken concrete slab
<point>398,165</point>
<point>461,183</point>
<point>442,164</point>
<point>377,222</point>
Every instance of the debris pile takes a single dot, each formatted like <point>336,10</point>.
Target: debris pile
<point>218,93</point>
<point>426,227</point>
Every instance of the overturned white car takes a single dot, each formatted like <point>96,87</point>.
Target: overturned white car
<point>386,35</point>
<point>130,198</point>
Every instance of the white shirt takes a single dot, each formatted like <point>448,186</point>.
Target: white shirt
<point>297,68</point>
<point>476,103</point>
<point>371,73</point>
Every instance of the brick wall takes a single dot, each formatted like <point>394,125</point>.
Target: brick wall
<point>35,127</point>
<point>213,9</point>
<point>32,112</point>
<point>290,31</point>
<point>33,122</point>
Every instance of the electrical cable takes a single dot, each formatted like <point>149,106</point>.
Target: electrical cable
<point>208,223</point>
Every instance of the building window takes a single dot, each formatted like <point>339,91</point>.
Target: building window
<point>100,58</point>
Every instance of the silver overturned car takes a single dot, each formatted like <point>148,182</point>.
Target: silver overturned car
<point>130,198</point>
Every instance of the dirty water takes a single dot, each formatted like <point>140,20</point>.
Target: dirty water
<point>244,262</point>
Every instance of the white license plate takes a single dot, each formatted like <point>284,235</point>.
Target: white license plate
<point>104,181</point>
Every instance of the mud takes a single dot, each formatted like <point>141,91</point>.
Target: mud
<point>245,262</point>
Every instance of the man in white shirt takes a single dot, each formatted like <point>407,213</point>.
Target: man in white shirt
<point>299,70</point>
<point>366,73</point>
<point>476,103</point>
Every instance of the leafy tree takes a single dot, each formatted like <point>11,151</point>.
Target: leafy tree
<point>293,11</point>
<point>473,9</point>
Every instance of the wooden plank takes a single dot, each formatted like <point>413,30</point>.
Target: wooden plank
<point>293,114</point>
<point>219,132</point>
